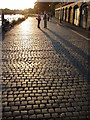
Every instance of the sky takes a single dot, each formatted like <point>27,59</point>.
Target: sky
<point>23,4</point>
<point>17,4</point>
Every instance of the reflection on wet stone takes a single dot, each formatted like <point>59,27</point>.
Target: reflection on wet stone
<point>38,82</point>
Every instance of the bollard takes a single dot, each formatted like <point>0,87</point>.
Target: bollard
<point>2,18</point>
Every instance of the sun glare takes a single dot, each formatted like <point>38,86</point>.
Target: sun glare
<point>17,4</point>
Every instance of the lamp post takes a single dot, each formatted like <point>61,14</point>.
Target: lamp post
<point>38,10</point>
<point>49,7</point>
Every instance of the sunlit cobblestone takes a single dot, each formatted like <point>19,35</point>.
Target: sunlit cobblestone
<point>39,77</point>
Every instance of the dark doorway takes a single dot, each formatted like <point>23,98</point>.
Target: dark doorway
<point>69,17</point>
<point>65,14</point>
<point>83,15</point>
<point>75,7</point>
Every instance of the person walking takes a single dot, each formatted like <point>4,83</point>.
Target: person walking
<point>45,20</point>
<point>39,20</point>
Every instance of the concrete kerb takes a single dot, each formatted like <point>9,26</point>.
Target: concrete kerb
<point>80,31</point>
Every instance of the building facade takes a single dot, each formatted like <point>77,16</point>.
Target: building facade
<point>77,13</point>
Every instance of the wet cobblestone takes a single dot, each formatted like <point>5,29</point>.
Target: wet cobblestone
<point>39,80</point>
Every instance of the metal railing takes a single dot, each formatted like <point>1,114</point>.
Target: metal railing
<point>0,65</point>
<point>0,23</point>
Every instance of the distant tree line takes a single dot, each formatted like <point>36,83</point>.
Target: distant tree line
<point>40,7</point>
<point>8,11</point>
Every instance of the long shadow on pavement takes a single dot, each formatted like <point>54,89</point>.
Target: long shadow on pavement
<point>62,50</point>
<point>69,44</point>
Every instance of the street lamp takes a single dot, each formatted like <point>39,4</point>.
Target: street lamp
<point>49,7</point>
<point>38,10</point>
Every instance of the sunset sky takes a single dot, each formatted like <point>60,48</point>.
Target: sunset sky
<point>22,4</point>
<point>17,4</point>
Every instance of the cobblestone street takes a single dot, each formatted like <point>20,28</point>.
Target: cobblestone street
<point>45,73</point>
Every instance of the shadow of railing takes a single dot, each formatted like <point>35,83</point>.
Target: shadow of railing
<point>62,50</point>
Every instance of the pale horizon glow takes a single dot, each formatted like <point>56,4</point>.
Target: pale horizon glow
<point>17,4</point>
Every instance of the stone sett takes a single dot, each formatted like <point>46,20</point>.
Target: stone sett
<point>43,73</point>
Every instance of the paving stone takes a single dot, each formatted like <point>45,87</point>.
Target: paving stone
<point>58,110</point>
<point>35,106</point>
<point>42,105</point>
<point>44,101</point>
<point>54,115</point>
<point>6,109</point>
<point>30,102</point>
<point>17,103</point>
<point>17,117</point>
<point>31,112</point>
<point>44,111</point>
<point>28,107</point>
<point>25,117</point>
<point>51,110</point>
<point>42,73</point>
<point>37,111</point>
<point>40,98</point>
<point>16,113</point>
<point>22,108</point>
<point>76,113</point>
<point>63,109</point>
<point>55,105</point>
<point>10,118</point>
<point>47,115</point>
<point>39,116</point>
<point>32,116</point>
<point>8,114</point>
<point>70,109</point>
<point>37,102</point>
<point>77,108</point>
<point>12,104</point>
<point>69,114</point>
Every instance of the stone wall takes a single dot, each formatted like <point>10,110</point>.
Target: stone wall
<point>76,13</point>
<point>88,21</point>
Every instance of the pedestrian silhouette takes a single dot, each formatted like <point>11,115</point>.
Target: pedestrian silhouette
<point>48,16</point>
<point>45,20</point>
<point>39,20</point>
